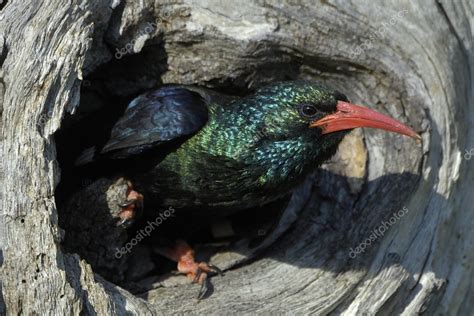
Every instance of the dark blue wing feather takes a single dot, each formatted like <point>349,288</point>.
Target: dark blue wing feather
<point>158,116</point>
<point>152,118</point>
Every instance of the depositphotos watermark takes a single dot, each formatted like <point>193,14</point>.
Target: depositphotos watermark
<point>44,118</point>
<point>377,232</point>
<point>468,155</point>
<point>144,232</point>
<point>377,34</point>
<point>261,134</point>
<point>150,28</point>
<point>128,48</point>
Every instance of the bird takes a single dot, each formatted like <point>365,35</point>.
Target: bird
<point>197,149</point>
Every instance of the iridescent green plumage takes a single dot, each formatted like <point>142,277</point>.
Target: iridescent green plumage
<point>251,151</point>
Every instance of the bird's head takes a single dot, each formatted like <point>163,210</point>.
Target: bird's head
<point>299,125</point>
<point>307,108</point>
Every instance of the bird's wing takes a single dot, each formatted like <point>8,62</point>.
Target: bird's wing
<point>158,116</point>
<point>153,118</point>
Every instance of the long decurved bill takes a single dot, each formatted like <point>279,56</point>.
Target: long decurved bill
<point>349,116</point>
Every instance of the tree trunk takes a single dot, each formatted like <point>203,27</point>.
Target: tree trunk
<point>388,225</point>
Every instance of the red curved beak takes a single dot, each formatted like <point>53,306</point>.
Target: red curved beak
<point>349,116</point>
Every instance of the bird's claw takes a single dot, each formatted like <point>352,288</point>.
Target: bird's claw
<point>206,285</point>
<point>127,203</point>
<point>197,276</point>
<point>215,269</point>
<point>210,268</point>
<point>134,201</point>
<point>201,276</point>
<point>204,290</point>
<point>183,254</point>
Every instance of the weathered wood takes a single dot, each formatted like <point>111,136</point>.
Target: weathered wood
<point>411,60</point>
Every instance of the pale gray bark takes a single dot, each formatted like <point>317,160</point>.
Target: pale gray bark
<point>412,60</point>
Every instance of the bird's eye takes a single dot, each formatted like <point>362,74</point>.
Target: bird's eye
<point>308,110</point>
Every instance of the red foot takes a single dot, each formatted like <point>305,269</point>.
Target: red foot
<point>183,254</point>
<point>133,200</point>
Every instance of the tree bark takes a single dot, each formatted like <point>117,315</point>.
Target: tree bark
<point>410,60</point>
